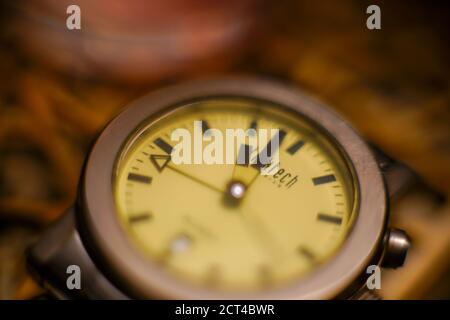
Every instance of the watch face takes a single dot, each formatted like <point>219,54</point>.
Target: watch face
<point>234,227</point>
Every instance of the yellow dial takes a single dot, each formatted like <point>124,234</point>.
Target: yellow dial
<point>225,226</point>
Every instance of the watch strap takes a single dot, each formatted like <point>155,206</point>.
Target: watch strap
<point>60,247</point>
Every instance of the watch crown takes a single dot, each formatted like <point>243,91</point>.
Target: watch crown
<point>397,245</point>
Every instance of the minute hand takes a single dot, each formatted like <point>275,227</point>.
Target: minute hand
<point>203,183</point>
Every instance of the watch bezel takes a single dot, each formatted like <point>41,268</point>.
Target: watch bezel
<point>139,277</point>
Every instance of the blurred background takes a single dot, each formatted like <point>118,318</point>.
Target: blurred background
<point>59,87</point>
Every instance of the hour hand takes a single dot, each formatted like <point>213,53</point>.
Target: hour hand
<point>250,163</point>
<point>244,171</point>
<point>243,176</point>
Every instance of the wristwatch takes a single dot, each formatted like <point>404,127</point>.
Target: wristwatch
<point>162,212</point>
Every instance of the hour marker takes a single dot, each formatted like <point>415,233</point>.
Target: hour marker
<point>295,147</point>
<point>305,252</point>
<point>139,178</point>
<point>267,151</point>
<point>212,275</point>
<point>145,216</point>
<point>253,126</point>
<point>205,126</point>
<point>265,275</point>
<point>328,218</point>
<point>160,161</point>
<point>163,145</point>
<point>324,179</point>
